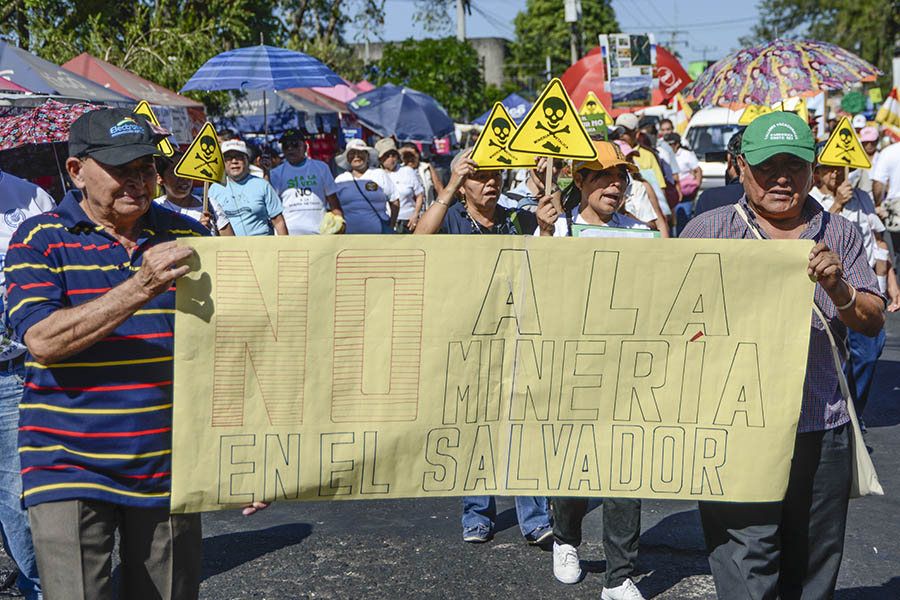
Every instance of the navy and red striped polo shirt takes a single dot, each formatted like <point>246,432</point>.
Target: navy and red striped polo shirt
<point>98,424</point>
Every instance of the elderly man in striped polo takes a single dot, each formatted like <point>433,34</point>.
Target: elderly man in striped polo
<point>792,549</point>
<point>91,293</point>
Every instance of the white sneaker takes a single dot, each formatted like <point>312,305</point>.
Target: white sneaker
<point>566,567</point>
<point>626,591</point>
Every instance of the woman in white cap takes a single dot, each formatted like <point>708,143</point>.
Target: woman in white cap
<point>407,185</point>
<point>363,192</point>
<point>250,203</point>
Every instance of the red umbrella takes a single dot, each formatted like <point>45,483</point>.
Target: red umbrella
<point>33,144</point>
<point>43,124</point>
<point>586,75</point>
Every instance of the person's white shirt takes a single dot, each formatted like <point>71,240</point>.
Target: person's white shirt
<point>887,170</point>
<point>667,154</point>
<point>687,160</point>
<point>304,189</point>
<point>407,186</point>
<point>860,211</point>
<point>21,199</point>
<point>195,212</point>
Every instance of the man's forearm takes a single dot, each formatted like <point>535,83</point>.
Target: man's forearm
<point>69,331</point>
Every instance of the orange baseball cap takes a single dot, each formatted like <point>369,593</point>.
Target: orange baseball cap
<point>608,155</point>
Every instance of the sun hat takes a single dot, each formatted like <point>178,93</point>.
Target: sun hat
<point>776,133</point>
<point>608,155</point>
<point>355,144</point>
<point>235,146</point>
<point>868,134</point>
<point>114,136</point>
<point>859,121</point>
<point>385,145</point>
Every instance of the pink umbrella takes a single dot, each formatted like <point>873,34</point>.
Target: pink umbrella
<point>364,86</point>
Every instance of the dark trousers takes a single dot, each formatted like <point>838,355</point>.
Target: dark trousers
<point>621,531</point>
<point>791,549</point>
<point>73,542</point>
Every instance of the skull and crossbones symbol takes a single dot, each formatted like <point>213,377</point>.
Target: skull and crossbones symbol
<point>207,156</point>
<point>845,144</point>
<point>554,110</point>
<point>501,129</point>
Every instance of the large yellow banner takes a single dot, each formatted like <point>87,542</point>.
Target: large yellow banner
<point>337,367</point>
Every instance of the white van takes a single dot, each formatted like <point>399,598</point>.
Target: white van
<point>707,134</point>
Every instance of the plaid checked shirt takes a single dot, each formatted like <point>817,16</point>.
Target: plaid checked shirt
<point>823,405</point>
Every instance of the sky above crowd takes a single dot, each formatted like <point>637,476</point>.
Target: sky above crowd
<point>705,30</point>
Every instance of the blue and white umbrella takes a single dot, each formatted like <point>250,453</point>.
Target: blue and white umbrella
<point>402,112</point>
<point>262,68</point>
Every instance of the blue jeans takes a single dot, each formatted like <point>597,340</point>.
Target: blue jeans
<point>532,512</point>
<point>14,518</point>
<point>864,353</point>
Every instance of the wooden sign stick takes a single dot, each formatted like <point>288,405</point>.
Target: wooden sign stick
<point>205,197</point>
<point>548,186</point>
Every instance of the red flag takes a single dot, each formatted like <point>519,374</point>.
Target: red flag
<point>672,76</point>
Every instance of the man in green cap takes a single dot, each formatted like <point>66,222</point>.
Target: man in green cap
<point>793,548</point>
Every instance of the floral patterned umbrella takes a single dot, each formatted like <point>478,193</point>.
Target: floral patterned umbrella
<point>33,144</point>
<point>44,124</point>
<point>767,74</point>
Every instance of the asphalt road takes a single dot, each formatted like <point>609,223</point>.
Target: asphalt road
<point>413,548</point>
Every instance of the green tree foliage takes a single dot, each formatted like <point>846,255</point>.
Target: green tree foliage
<point>164,41</point>
<point>318,27</point>
<point>446,69</point>
<point>541,30</point>
<point>868,28</point>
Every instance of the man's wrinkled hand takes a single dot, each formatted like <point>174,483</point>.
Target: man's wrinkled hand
<point>159,269</point>
<point>826,268</point>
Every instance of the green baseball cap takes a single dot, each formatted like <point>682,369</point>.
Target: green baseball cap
<point>777,132</point>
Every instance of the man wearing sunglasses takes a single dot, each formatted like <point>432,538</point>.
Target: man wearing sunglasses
<point>305,185</point>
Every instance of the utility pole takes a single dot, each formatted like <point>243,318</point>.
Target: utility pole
<point>461,20</point>
<point>573,14</point>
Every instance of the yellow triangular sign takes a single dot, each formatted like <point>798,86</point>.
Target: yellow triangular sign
<point>843,148</point>
<point>751,112</point>
<point>553,128</point>
<point>203,159</point>
<point>490,150</point>
<point>143,108</point>
<point>594,115</point>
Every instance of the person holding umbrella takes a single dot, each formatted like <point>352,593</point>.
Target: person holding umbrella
<point>365,194</point>
<point>250,203</point>
<point>407,185</point>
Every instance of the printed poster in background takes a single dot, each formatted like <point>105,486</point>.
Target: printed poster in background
<point>630,68</point>
<point>350,367</point>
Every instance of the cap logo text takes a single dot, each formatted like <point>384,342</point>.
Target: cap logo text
<point>781,135</point>
<point>124,127</point>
